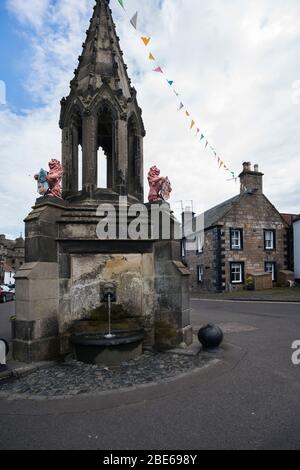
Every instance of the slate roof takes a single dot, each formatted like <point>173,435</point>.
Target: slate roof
<point>213,215</point>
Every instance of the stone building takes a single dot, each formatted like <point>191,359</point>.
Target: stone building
<point>66,262</point>
<point>243,236</point>
<point>12,255</point>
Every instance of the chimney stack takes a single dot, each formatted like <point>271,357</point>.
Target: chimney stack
<point>251,181</point>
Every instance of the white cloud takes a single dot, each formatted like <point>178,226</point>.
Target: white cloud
<point>29,11</point>
<point>235,64</point>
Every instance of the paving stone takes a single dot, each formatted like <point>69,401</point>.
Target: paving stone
<point>73,378</point>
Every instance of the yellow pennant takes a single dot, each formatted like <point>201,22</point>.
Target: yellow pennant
<point>192,124</point>
<point>146,40</point>
<point>151,56</point>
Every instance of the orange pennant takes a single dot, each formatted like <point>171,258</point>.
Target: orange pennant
<point>146,40</point>
<point>187,113</point>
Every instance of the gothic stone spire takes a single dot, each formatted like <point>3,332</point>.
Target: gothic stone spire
<point>102,111</point>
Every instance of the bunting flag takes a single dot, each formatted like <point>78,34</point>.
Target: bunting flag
<point>134,19</point>
<point>145,40</point>
<point>122,3</point>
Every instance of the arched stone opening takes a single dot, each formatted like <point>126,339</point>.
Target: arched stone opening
<point>133,139</point>
<point>105,146</point>
<point>76,130</point>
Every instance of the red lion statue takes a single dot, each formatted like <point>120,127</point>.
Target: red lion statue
<point>160,187</point>
<point>49,183</point>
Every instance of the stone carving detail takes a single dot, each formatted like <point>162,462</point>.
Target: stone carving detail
<point>160,187</point>
<point>49,183</point>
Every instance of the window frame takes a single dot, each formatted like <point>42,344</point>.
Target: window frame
<point>274,271</point>
<point>274,239</point>
<point>241,239</point>
<point>242,264</point>
<point>200,273</point>
<point>200,244</point>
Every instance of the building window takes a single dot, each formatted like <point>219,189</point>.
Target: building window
<point>270,240</point>
<point>271,268</point>
<point>200,273</point>
<point>200,242</point>
<point>237,273</point>
<point>236,239</point>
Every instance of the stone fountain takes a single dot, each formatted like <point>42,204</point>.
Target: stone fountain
<point>98,340</point>
<point>67,261</point>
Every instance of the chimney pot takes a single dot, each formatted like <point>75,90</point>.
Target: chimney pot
<point>247,166</point>
<point>256,168</point>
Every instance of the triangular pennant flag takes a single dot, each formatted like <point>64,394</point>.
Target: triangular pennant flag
<point>170,82</point>
<point>177,94</point>
<point>133,20</point>
<point>192,124</point>
<point>121,3</point>
<point>145,40</point>
<point>187,113</point>
<point>202,137</point>
<point>206,144</point>
<point>221,163</point>
<point>158,69</point>
<point>151,56</point>
<point>181,106</point>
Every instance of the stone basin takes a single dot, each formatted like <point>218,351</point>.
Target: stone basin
<point>94,348</point>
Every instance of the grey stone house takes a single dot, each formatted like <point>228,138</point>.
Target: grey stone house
<point>241,236</point>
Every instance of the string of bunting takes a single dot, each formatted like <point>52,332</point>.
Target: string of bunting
<point>201,137</point>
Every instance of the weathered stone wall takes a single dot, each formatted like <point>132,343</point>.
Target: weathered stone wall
<point>254,214</point>
<point>36,326</point>
<point>133,275</point>
<point>208,259</point>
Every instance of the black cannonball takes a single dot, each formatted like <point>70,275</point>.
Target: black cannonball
<point>210,336</point>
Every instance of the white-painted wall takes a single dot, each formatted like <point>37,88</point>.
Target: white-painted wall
<point>9,278</point>
<point>297,249</point>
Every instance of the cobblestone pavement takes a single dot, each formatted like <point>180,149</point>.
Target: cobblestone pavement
<point>72,378</point>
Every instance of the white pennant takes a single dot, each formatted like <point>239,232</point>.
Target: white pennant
<point>133,20</point>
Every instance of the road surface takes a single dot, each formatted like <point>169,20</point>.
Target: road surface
<point>249,400</point>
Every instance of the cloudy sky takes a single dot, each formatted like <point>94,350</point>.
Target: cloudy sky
<point>235,64</point>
